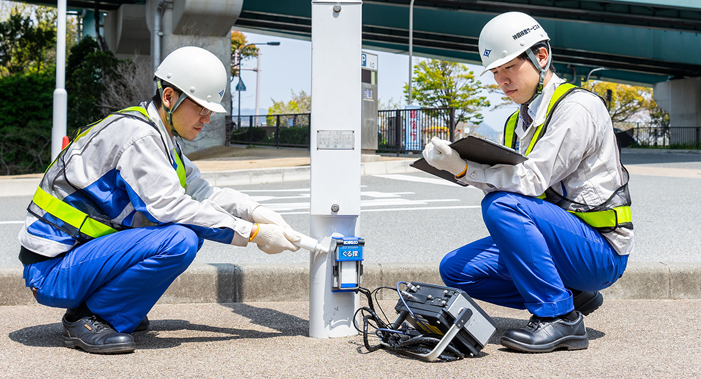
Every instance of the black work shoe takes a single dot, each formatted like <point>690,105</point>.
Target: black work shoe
<point>545,334</point>
<point>587,302</point>
<point>94,335</point>
<point>143,325</point>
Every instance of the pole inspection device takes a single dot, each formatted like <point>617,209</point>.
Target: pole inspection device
<point>335,146</point>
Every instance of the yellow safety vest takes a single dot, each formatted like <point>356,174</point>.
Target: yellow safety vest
<point>613,215</point>
<point>84,226</point>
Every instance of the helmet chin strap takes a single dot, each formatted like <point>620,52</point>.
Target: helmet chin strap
<point>542,71</point>
<point>169,111</point>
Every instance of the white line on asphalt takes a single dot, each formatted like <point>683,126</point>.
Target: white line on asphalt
<point>279,190</point>
<point>419,179</point>
<point>281,207</point>
<point>397,209</point>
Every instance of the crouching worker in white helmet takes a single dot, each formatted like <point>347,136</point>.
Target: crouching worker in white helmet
<point>559,223</point>
<point>122,212</point>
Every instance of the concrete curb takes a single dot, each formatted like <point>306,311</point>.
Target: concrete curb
<point>27,186</point>
<point>227,283</point>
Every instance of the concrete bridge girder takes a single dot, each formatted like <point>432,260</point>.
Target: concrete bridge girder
<point>204,23</point>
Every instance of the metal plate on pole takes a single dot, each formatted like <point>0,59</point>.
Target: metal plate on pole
<point>335,139</point>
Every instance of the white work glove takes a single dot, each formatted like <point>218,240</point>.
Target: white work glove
<point>263,215</point>
<point>272,239</point>
<point>441,156</point>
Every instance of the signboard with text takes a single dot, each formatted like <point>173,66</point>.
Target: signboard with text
<point>412,128</point>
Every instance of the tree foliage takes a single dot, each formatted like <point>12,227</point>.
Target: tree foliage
<point>442,84</point>
<point>86,71</point>
<point>25,122</point>
<point>26,42</point>
<point>300,103</point>
<point>238,40</point>
<point>626,100</point>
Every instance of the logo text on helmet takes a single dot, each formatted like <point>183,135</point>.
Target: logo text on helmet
<point>526,31</point>
<point>221,93</point>
<point>487,52</point>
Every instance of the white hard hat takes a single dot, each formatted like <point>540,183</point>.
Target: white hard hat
<point>506,36</point>
<point>199,74</point>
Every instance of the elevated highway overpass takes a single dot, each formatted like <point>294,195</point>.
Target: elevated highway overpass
<point>644,42</point>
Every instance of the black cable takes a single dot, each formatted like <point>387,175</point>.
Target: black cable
<point>396,340</point>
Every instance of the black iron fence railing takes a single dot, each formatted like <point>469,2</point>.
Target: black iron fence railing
<point>673,137</point>
<point>409,130</point>
<point>403,131</point>
<point>279,130</point>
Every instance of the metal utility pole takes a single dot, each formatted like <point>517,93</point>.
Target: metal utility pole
<point>335,146</point>
<point>257,84</point>
<point>592,71</point>
<point>60,112</point>
<point>411,46</point>
<point>237,62</point>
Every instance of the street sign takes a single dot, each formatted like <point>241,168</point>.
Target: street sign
<point>368,61</point>
<point>240,87</point>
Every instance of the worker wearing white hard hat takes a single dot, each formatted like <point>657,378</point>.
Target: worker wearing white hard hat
<point>122,211</point>
<point>560,223</point>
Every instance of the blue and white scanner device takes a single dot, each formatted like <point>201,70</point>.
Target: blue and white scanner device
<point>348,263</point>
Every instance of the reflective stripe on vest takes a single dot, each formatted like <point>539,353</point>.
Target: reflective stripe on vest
<point>509,132</point>
<point>599,219</point>
<point>76,218</point>
<point>70,215</point>
<point>180,169</point>
<point>606,219</point>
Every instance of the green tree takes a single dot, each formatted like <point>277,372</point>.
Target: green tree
<point>25,122</point>
<point>626,100</point>
<point>296,125</point>
<point>659,117</point>
<point>238,40</point>
<point>26,43</point>
<point>86,70</point>
<point>300,103</point>
<point>442,84</point>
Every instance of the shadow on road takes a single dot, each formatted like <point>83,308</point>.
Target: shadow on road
<point>286,324</point>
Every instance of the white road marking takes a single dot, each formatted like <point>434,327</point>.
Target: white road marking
<point>397,209</point>
<point>419,179</point>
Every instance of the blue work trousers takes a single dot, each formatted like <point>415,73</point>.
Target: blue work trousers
<point>119,276</point>
<point>535,252</point>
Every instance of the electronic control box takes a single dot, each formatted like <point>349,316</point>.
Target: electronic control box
<point>439,310</point>
<point>348,263</point>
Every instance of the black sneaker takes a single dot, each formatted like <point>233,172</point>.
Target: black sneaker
<point>94,335</point>
<point>587,302</point>
<point>143,325</point>
<point>545,334</point>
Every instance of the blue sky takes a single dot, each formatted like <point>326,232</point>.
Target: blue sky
<point>287,68</point>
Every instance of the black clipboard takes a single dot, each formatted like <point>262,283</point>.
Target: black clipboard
<point>474,149</point>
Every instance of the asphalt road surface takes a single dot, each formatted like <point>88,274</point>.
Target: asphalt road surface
<point>419,218</point>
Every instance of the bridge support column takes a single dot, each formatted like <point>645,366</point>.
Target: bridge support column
<point>682,99</point>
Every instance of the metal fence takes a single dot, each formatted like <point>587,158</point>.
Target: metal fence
<point>665,137</point>
<point>409,130</point>
<point>399,131</point>
<point>279,130</point>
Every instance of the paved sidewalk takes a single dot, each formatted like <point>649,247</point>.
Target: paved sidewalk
<point>628,339</point>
